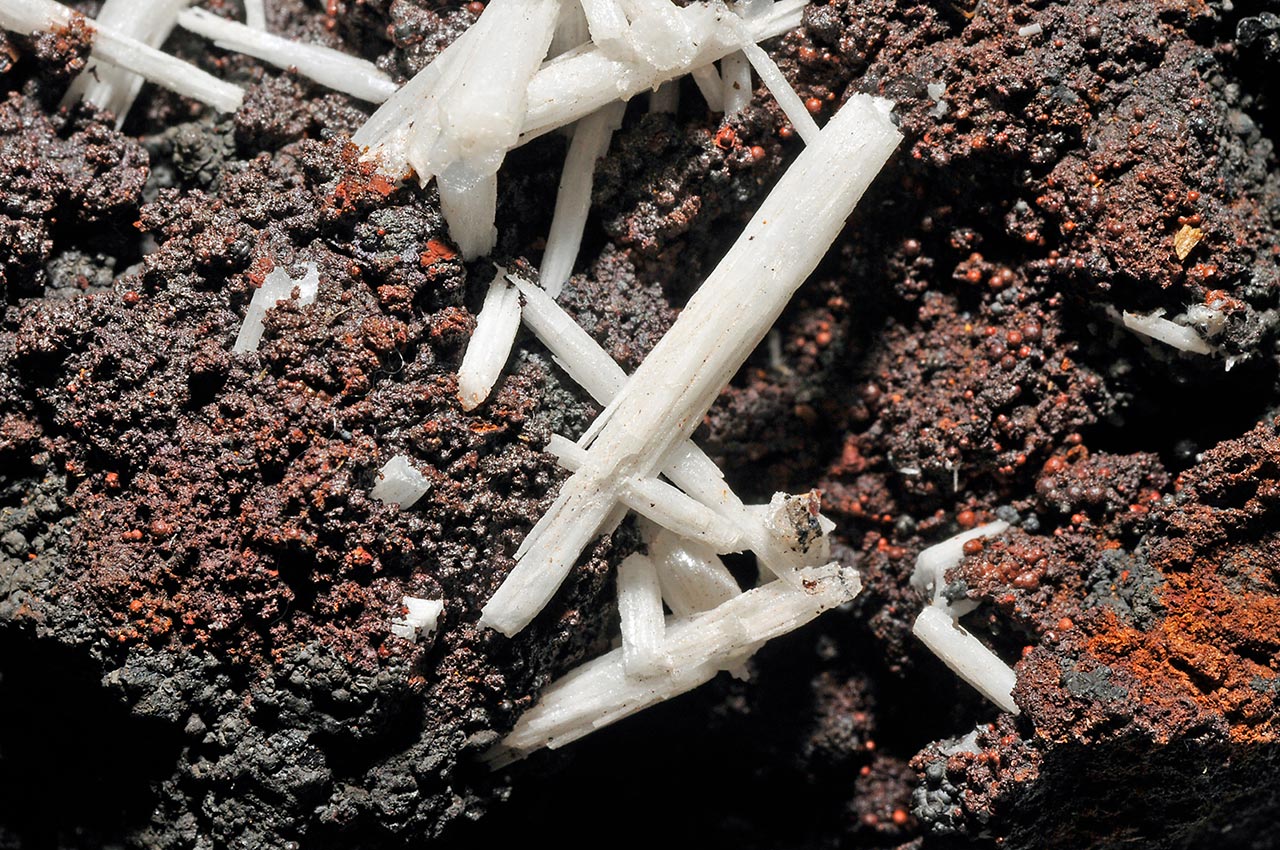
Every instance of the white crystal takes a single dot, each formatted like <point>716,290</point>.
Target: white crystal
<point>107,86</point>
<point>126,52</point>
<point>736,71</point>
<point>966,656</point>
<point>277,287</point>
<point>640,612</point>
<point>591,138</point>
<point>399,483</point>
<point>1154,326</point>
<point>599,692</point>
<point>709,83</point>
<point>328,67</point>
<point>692,577</point>
<point>723,322</point>
<point>933,563</point>
<point>490,344</point>
<point>421,617</point>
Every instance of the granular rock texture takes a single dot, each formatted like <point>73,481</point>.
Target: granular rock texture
<point>196,588</point>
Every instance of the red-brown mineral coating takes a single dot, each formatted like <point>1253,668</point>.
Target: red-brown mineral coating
<point>1214,543</point>
<point>1167,645</point>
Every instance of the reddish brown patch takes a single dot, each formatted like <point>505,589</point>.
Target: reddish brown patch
<point>362,184</point>
<point>436,252</point>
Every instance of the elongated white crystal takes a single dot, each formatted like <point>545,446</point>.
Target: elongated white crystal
<point>277,286</point>
<point>774,80</point>
<point>691,576</point>
<point>399,483</point>
<point>421,617</point>
<point>572,31</point>
<point>255,14</point>
<point>1155,326</point>
<point>590,142</point>
<point>610,30</point>
<point>711,86</point>
<point>469,202</point>
<point>571,346</point>
<point>107,86</point>
<point>640,612</point>
<point>938,625</point>
<point>673,510</point>
<point>562,92</point>
<point>490,345</point>
<point>736,72</point>
<point>126,52</point>
<point>966,656</point>
<point>328,67</point>
<point>933,563</point>
<point>482,113</point>
<point>660,503</point>
<point>723,322</point>
<point>599,692</point>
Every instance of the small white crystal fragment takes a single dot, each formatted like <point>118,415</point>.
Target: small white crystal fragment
<point>640,612</point>
<point>277,287</point>
<point>399,483</point>
<point>490,344</point>
<point>420,619</point>
<point>966,744</point>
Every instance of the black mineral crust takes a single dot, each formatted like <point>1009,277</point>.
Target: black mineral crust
<point>197,588</point>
